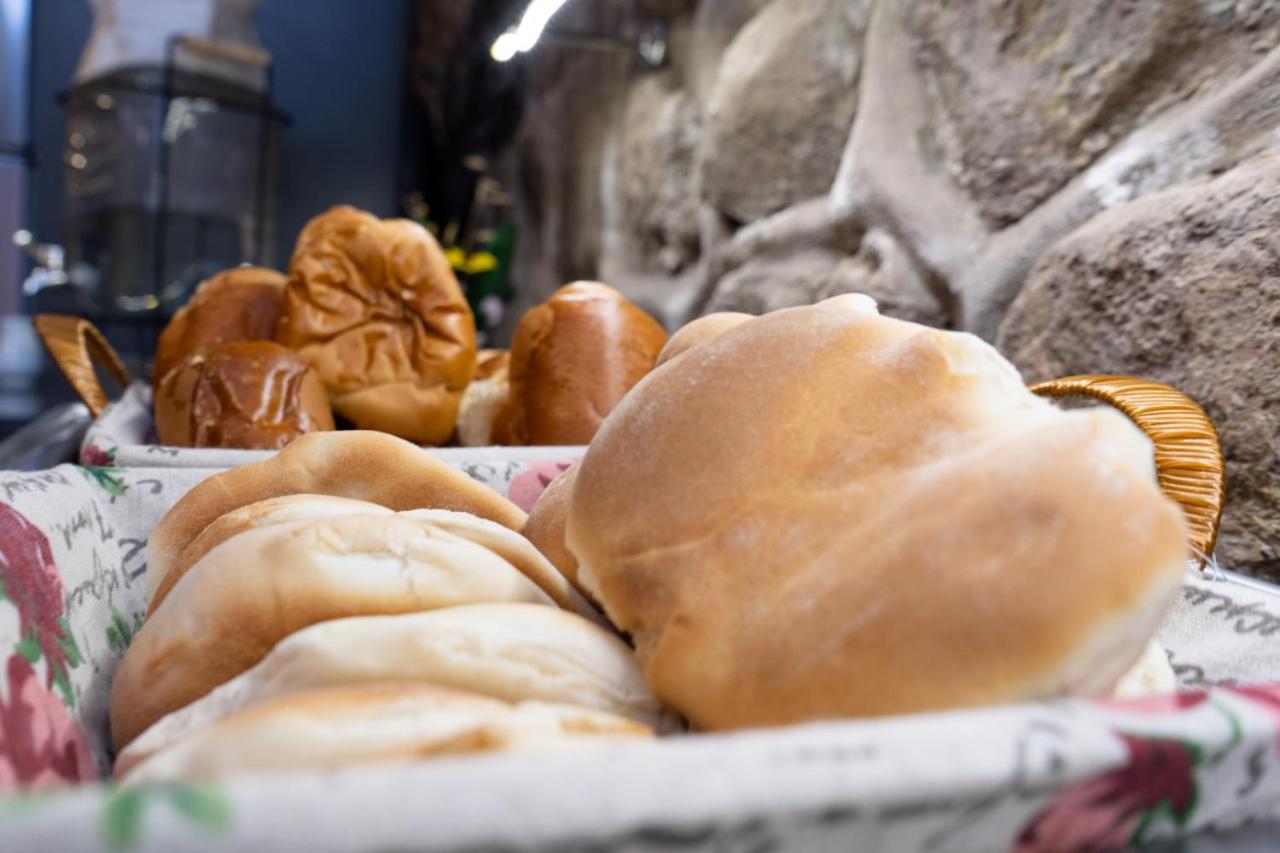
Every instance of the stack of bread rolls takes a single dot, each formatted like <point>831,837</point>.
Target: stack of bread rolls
<point>222,381</point>
<point>826,513</point>
<point>371,324</point>
<point>354,600</point>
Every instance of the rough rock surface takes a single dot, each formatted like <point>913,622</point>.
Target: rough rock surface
<point>781,106</point>
<point>934,154</point>
<point>658,184</point>
<point>1027,93</point>
<point>804,255</point>
<point>1181,286</point>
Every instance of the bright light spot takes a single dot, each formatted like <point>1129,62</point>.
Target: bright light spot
<point>526,34</point>
<point>504,48</point>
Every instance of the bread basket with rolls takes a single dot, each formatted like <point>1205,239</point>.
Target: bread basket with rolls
<point>369,329</point>
<point>820,579</point>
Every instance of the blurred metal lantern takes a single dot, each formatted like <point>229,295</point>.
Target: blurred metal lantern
<point>171,175</point>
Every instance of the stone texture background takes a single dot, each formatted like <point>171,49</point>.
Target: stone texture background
<point>1092,184</point>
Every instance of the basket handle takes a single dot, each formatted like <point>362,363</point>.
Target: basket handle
<point>1189,462</point>
<point>75,345</point>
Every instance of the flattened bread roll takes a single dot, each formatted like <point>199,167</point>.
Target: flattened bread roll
<point>828,513</point>
<point>272,511</point>
<point>258,587</point>
<point>372,724</point>
<point>516,550</point>
<point>510,652</point>
<point>362,465</point>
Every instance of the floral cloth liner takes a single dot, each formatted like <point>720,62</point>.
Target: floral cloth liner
<point>124,436</point>
<point>1034,777</point>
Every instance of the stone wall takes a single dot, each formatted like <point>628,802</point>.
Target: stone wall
<point>1091,183</point>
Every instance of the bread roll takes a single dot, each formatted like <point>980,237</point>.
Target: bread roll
<point>272,511</point>
<point>242,304</point>
<point>258,587</point>
<point>572,359</point>
<point>362,465</point>
<point>545,527</point>
<point>827,513</point>
<point>516,550</point>
<point>1152,675</point>
<point>373,306</point>
<point>698,332</point>
<point>371,724</point>
<point>484,399</point>
<point>510,652</point>
<point>249,395</point>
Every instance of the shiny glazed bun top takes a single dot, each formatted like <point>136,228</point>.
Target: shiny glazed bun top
<point>373,306</point>
<point>248,395</point>
<point>241,304</point>
<point>572,359</point>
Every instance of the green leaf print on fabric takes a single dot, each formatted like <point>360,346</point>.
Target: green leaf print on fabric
<point>120,633</point>
<point>203,804</point>
<point>106,478</point>
<point>126,808</point>
<point>122,817</point>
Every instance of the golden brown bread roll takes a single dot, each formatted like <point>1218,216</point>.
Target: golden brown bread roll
<point>242,304</point>
<point>357,464</point>
<point>251,395</point>
<point>828,513</point>
<point>374,308</point>
<point>572,359</point>
<point>545,527</point>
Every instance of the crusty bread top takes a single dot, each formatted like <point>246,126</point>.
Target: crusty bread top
<point>823,512</point>
<point>370,723</point>
<point>258,587</point>
<point>363,465</point>
<point>511,652</point>
<point>698,332</point>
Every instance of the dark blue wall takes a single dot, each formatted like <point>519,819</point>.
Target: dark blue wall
<point>339,73</point>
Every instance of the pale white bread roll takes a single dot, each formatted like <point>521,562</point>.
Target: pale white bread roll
<point>372,724</point>
<point>1152,675</point>
<point>358,464</point>
<point>516,550</point>
<point>272,511</point>
<point>511,652</point>
<point>826,513</point>
<point>256,588</point>
<point>482,402</point>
